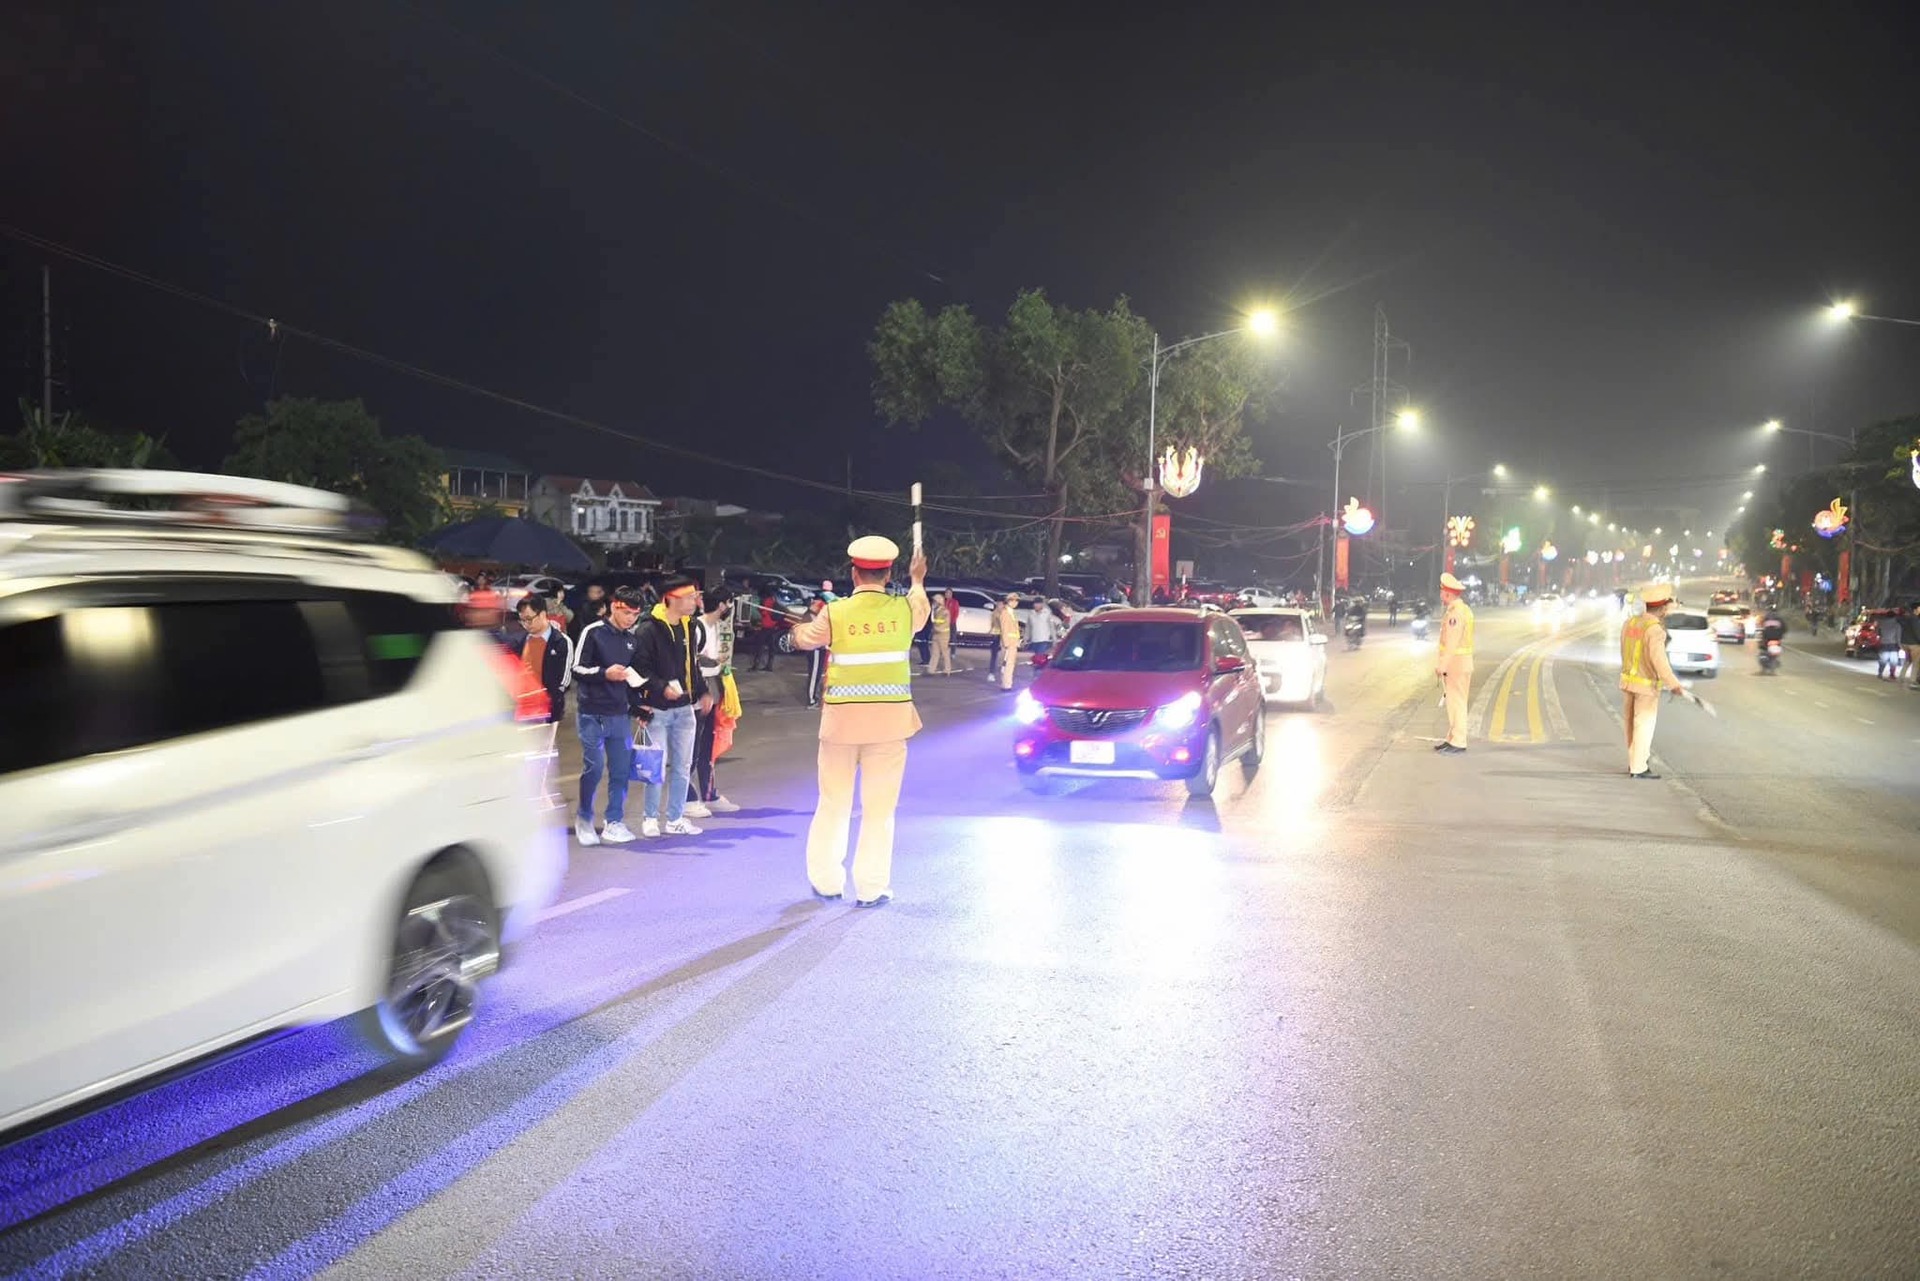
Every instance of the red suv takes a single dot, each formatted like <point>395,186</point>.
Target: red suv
<point>1143,693</point>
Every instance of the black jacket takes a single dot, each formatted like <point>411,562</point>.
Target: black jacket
<point>556,668</point>
<point>602,645</point>
<point>663,653</point>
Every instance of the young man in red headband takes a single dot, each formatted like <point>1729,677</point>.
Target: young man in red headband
<point>666,653</point>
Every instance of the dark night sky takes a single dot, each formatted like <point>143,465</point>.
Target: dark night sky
<point>1604,238</point>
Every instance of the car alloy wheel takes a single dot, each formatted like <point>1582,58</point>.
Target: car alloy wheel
<point>1203,780</point>
<point>1257,748</point>
<point>446,942</point>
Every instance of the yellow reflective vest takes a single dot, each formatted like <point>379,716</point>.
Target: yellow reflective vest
<point>870,658</point>
<point>1637,672</point>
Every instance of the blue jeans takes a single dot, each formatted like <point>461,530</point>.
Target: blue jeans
<point>673,729</point>
<point>606,747</point>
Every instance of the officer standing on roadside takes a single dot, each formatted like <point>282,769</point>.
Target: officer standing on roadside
<point>1644,672</point>
<point>868,718</point>
<point>1454,666</point>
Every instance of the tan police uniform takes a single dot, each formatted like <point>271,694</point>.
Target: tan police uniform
<point>1455,664</point>
<point>867,718</point>
<point>1644,672</point>
<point>1008,623</point>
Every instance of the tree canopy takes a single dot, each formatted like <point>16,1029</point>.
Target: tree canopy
<point>339,446</point>
<point>1059,396</point>
<point>69,440</point>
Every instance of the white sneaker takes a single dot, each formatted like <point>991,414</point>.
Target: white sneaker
<point>616,834</point>
<point>720,805</point>
<point>680,827</point>
<point>649,827</point>
<point>584,833</point>
<point>697,809</point>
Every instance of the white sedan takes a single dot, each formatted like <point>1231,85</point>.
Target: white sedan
<point>1291,651</point>
<point>1691,644</point>
<point>1730,622</point>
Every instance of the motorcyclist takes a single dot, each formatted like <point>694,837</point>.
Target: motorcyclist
<point>1422,617</point>
<point>1356,620</point>
<point>1773,630</point>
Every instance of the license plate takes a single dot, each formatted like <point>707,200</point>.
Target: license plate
<point>1084,751</point>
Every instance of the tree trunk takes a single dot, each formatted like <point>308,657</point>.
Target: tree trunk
<point>1056,537</point>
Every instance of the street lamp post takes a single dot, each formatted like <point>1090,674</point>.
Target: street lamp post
<point>1339,446</point>
<point>1261,322</point>
<point>1846,311</point>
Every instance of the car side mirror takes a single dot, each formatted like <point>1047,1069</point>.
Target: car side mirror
<point>1227,664</point>
<point>1042,658</point>
<point>1318,638</point>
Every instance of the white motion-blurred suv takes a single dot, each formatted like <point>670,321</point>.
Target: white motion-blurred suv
<point>255,776</point>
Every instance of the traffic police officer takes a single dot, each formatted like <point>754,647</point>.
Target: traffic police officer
<point>868,718</point>
<point>1455,664</point>
<point>1644,672</point>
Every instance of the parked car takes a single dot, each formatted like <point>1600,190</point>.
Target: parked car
<point>517,588</point>
<point>1145,693</point>
<point>1692,645</point>
<point>1291,652</point>
<point>270,782</point>
<point>1730,622</point>
<point>976,613</point>
<point>1862,635</point>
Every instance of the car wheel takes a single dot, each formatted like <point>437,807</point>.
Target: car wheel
<point>1256,749</point>
<point>1202,781</point>
<point>446,941</point>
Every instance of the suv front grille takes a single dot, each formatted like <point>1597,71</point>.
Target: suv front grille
<point>1079,720</point>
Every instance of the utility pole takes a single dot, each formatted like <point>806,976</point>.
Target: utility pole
<point>1380,393</point>
<point>46,345</point>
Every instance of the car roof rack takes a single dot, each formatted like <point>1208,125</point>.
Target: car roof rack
<point>174,508</point>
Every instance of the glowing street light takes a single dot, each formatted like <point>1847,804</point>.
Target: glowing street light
<point>1772,424</point>
<point>1263,322</point>
<point>1408,419</point>
<point>1593,518</point>
<point>1500,470</point>
<point>1576,509</point>
<point>1747,497</point>
<point>1541,493</point>
<point>1844,311</point>
<point>1759,469</point>
<point>1612,528</point>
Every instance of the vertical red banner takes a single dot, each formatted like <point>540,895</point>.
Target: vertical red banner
<point>1340,562</point>
<point>1806,582</point>
<point>1449,559</point>
<point>1163,551</point>
<point>1843,585</point>
<point>1786,569</point>
<point>1506,570</point>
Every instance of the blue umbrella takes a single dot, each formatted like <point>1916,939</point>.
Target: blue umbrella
<point>511,540</point>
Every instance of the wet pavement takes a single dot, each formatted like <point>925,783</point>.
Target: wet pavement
<point>1371,1012</point>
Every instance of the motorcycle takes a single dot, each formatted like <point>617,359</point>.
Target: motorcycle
<point>1420,623</point>
<point>1356,632</point>
<point>1769,657</point>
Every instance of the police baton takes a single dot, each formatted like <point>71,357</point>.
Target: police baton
<point>913,496</point>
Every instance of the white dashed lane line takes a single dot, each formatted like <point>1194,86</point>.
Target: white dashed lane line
<point>583,902</point>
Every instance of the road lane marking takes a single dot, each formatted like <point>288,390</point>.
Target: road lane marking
<point>1863,720</point>
<point>582,903</point>
<point>1535,731</point>
<point>1817,703</point>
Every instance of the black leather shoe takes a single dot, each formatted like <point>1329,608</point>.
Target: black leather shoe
<point>830,898</point>
<point>1448,749</point>
<point>872,902</point>
<point>1647,773</point>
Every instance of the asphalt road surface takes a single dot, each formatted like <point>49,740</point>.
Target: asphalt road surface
<point>1374,1012</point>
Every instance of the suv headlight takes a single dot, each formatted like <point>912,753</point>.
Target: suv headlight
<point>1180,713</point>
<point>1027,709</point>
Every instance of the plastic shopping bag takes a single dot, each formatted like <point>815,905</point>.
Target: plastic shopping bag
<point>649,761</point>
<point>731,695</point>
